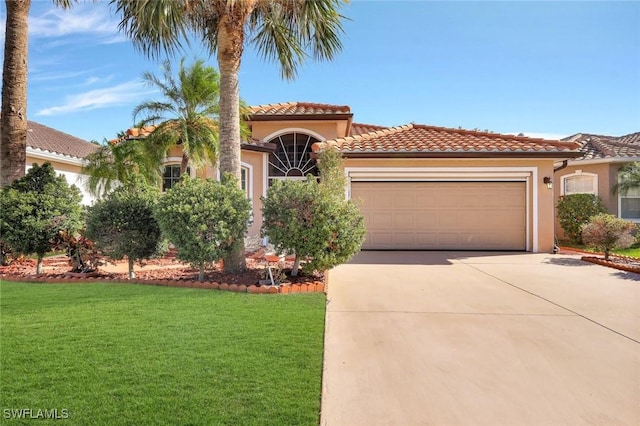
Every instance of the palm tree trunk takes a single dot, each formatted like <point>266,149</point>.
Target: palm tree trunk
<point>184,164</point>
<point>230,46</point>
<point>13,142</point>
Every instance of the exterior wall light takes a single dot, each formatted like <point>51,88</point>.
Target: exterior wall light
<point>547,181</point>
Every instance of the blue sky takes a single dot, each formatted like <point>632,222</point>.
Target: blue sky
<point>543,68</point>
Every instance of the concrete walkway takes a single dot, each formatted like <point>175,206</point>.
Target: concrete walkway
<point>459,338</point>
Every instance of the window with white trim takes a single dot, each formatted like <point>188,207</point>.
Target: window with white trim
<point>292,158</point>
<point>171,176</point>
<point>580,183</point>
<point>244,182</point>
<point>629,202</point>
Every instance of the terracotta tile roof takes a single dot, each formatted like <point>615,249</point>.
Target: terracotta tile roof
<point>415,139</point>
<point>143,132</point>
<point>298,108</point>
<point>45,138</point>
<point>359,128</point>
<point>601,147</point>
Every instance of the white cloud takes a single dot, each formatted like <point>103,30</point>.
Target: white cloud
<point>87,19</point>
<point>47,76</point>
<point>121,94</point>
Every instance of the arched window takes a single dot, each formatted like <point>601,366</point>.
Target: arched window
<point>292,158</point>
<point>580,183</point>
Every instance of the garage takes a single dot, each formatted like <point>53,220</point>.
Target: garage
<point>453,215</point>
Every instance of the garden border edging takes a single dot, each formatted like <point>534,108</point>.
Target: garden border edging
<point>311,287</point>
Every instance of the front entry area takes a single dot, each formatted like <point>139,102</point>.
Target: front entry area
<point>443,215</point>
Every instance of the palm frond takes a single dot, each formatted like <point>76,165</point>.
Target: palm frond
<point>290,31</point>
<point>628,178</point>
<point>154,26</point>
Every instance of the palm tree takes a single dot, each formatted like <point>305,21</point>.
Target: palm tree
<point>120,162</point>
<point>629,178</point>
<point>13,121</point>
<point>287,31</point>
<point>188,115</point>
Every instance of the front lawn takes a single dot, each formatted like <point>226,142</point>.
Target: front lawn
<point>633,251</point>
<point>117,354</point>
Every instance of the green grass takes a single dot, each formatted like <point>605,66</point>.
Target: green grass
<point>633,251</point>
<point>120,354</point>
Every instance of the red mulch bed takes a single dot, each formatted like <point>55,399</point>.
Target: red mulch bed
<point>622,263</point>
<point>56,269</point>
<point>629,264</point>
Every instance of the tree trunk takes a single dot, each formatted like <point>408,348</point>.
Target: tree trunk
<point>13,122</point>
<point>606,254</point>
<point>184,164</point>
<point>132,274</point>
<point>296,266</point>
<point>230,47</point>
<point>39,265</point>
<point>201,272</point>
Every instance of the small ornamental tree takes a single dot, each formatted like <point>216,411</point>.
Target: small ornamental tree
<point>313,220</point>
<point>606,232</point>
<point>36,208</point>
<point>204,219</point>
<point>575,210</point>
<point>123,224</point>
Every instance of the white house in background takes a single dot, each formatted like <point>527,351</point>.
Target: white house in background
<point>65,152</point>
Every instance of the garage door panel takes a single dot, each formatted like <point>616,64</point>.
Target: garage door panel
<point>403,200</point>
<point>404,221</point>
<point>443,215</point>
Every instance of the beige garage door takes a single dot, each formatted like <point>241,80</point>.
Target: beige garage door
<point>442,215</point>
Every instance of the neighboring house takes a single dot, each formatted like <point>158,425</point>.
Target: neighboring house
<point>596,171</point>
<point>419,187</point>
<point>65,152</point>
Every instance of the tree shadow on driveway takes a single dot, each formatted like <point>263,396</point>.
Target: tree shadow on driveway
<point>566,261</point>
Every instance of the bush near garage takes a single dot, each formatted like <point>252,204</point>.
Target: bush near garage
<point>575,210</point>
<point>607,232</point>
<point>312,219</point>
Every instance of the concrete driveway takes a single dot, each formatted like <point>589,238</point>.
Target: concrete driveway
<point>447,338</point>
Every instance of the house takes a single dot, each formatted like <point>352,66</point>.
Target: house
<point>595,171</point>
<point>66,154</point>
<point>418,186</point>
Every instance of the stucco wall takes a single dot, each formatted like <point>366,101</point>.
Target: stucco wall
<point>70,171</point>
<point>262,130</point>
<point>257,186</point>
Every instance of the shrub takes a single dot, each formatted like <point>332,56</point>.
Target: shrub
<point>313,220</point>
<point>575,210</point>
<point>203,218</point>
<point>36,208</point>
<point>606,232</point>
<point>123,224</point>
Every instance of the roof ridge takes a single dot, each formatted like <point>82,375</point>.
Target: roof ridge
<point>280,105</point>
<point>555,142</point>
